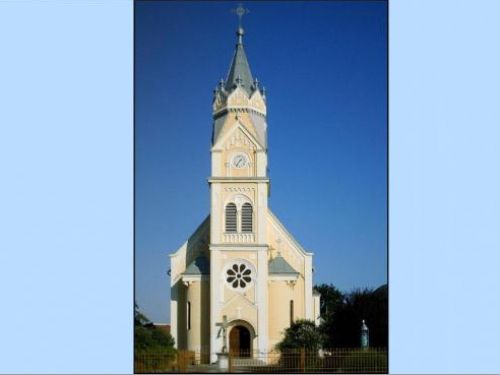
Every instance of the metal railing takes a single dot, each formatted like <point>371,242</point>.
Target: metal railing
<point>338,360</point>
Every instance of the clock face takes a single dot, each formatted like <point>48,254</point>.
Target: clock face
<point>240,161</point>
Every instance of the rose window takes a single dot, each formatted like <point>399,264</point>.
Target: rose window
<point>239,276</point>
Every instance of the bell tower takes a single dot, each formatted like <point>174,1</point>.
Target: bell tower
<point>239,188</point>
<point>241,278</point>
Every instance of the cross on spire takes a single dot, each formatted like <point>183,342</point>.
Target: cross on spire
<point>240,11</point>
<point>239,72</point>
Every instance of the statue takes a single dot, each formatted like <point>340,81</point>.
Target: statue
<point>365,340</point>
<point>223,326</point>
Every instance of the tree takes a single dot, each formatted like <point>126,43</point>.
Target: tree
<point>342,328</point>
<point>139,318</point>
<point>301,334</point>
<point>148,338</point>
<point>331,299</point>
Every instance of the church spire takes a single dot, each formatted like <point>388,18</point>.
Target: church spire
<point>249,100</point>
<point>239,72</point>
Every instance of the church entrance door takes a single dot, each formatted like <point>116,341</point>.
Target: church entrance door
<point>240,341</point>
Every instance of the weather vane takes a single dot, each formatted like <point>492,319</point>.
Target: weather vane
<point>240,12</point>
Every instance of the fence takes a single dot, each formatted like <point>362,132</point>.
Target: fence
<point>346,360</point>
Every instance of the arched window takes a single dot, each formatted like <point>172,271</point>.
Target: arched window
<point>246,218</point>
<point>231,217</point>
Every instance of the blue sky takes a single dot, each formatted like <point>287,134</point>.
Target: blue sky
<point>324,66</point>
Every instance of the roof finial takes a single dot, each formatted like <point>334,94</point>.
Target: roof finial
<point>239,34</point>
<point>240,12</point>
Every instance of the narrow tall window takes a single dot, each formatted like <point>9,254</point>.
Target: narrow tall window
<point>231,217</point>
<point>189,315</point>
<point>291,312</point>
<point>246,218</point>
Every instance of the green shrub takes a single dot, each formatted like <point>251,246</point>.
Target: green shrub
<point>301,334</point>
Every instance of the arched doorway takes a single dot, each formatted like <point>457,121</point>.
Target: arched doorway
<point>240,341</point>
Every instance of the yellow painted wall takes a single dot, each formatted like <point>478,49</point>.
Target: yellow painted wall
<point>198,293</point>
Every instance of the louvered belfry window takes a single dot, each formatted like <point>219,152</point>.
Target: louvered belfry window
<point>231,217</point>
<point>246,218</point>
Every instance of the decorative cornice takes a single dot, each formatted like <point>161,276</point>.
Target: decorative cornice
<point>237,179</point>
<point>229,109</point>
<point>188,279</point>
<point>239,189</point>
<point>238,247</point>
<point>284,276</point>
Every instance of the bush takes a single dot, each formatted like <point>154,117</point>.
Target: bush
<point>301,334</point>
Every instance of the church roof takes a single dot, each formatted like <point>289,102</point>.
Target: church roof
<point>282,228</point>
<point>199,266</point>
<point>239,72</point>
<point>279,265</point>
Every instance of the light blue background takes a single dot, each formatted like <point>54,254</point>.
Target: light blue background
<point>444,185</point>
<point>66,186</point>
<point>66,254</point>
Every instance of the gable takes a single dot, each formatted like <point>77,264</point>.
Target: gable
<point>240,308</point>
<point>237,98</point>
<point>284,245</point>
<point>274,221</point>
<point>257,102</point>
<point>236,134</point>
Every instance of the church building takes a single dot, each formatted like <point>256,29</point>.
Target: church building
<point>240,268</point>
